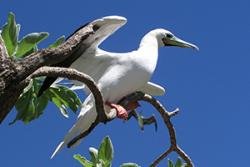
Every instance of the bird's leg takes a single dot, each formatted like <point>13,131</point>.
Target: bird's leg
<point>122,112</point>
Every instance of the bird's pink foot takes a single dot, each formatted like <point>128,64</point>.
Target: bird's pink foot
<point>121,112</point>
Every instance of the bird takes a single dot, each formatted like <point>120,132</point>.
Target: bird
<point>116,74</point>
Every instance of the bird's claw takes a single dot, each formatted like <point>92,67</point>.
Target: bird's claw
<point>121,112</point>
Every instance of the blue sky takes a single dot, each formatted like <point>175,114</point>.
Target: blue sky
<point>211,86</point>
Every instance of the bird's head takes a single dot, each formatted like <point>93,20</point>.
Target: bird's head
<point>166,38</point>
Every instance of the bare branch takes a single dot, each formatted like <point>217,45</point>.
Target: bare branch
<point>173,143</point>
<point>162,156</point>
<point>139,96</point>
<point>184,156</point>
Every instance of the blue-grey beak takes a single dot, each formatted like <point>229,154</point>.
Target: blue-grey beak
<point>174,41</point>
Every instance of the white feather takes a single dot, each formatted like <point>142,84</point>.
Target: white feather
<point>86,117</point>
<point>153,89</point>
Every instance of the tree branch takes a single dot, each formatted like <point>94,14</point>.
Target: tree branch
<point>73,47</point>
<point>13,72</point>
<point>172,135</point>
<point>166,116</point>
<point>73,74</point>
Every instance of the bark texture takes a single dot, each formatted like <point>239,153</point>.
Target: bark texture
<point>14,72</point>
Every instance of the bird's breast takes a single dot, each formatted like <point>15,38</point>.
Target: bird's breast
<point>123,79</point>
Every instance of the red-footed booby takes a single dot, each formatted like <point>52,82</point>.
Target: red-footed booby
<point>116,74</point>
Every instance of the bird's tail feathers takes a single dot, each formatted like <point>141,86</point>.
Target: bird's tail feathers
<point>86,117</point>
<point>72,132</point>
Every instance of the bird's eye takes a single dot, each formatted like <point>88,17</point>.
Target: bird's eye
<point>169,35</point>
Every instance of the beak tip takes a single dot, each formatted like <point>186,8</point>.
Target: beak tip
<point>196,48</point>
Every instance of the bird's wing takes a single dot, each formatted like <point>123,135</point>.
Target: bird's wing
<point>85,119</point>
<point>153,89</point>
<point>102,29</point>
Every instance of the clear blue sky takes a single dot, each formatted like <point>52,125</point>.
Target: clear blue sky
<point>211,86</point>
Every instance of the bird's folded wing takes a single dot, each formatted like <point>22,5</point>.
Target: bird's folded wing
<point>153,89</point>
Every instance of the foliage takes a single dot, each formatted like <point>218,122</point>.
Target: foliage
<point>178,163</point>
<point>29,106</point>
<point>142,121</point>
<point>102,157</point>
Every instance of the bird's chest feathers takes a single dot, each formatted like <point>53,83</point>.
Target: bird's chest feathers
<point>147,59</point>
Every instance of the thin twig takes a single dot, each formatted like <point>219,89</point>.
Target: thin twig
<point>137,96</point>
<point>162,156</point>
<point>173,143</point>
<point>184,156</point>
<point>166,116</point>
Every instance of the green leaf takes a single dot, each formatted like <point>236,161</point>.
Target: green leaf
<point>140,122</point>
<point>30,41</point>
<point>184,165</point>
<point>34,49</point>
<point>149,121</point>
<point>178,163</point>
<point>29,106</point>
<point>57,101</point>
<point>73,102</point>
<point>83,161</point>
<point>106,151</point>
<point>42,102</point>
<point>30,85</point>
<point>10,33</point>
<point>94,155</point>
<point>25,107</point>
<point>129,164</point>
<point>170,163</point>
<point>18,27</point>
<point>63,97</point>
<point>64,111</point>
<point>58,42</point>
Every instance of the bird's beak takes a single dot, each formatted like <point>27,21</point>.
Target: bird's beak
<point>174,41</point>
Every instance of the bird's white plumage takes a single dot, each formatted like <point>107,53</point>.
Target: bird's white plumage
<point>153,89</point>
<point>117,74</point>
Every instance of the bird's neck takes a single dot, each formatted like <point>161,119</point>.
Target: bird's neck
<point>149,47</point>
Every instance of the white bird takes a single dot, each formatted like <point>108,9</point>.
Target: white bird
<point>118,74</point>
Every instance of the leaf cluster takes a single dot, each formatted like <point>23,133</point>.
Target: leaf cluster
<point>102,157</point>
<point>178,163</point>
<point>29,106</point>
